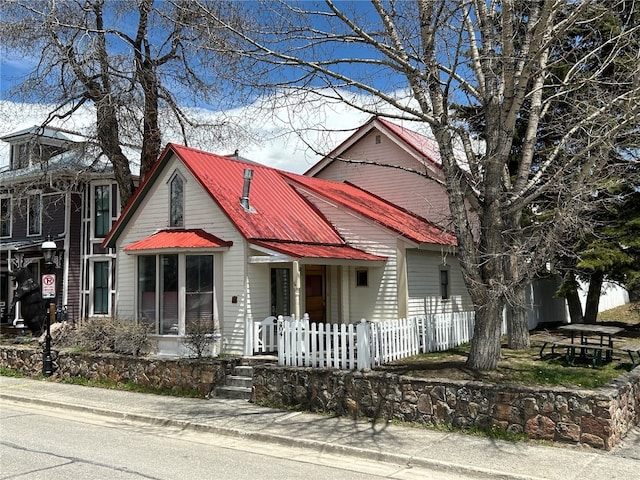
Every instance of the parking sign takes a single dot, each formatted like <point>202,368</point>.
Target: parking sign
<point>48,285</point>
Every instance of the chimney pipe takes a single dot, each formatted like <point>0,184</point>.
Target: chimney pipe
<point>244,200</point>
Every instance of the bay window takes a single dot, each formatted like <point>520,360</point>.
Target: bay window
<point>175,292</point>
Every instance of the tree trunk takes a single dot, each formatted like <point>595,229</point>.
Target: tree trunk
<point>517,323</point>
<point>573,299</point>
<point>593,297</point>
<point>485,347</point>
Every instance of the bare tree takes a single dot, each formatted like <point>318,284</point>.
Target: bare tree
<point>426,60</point>
<point>139,65</point>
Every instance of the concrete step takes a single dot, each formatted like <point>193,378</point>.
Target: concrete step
<point>239,381</point>
<point>239,385</point>
<point>243,371</point>
<point>237,393</point>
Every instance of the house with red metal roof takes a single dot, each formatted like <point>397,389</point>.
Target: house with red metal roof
<point>404,167</point>
<point>217,237</point>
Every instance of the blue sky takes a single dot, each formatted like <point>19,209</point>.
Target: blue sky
<point>280,148</point>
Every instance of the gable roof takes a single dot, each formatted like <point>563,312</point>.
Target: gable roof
<point>279,219</point>
<point>374,208</point>
<point>424,149</point>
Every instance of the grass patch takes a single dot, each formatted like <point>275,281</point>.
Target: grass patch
<point>521,367</point>
<point>9,372</point>
<point>525,367</point>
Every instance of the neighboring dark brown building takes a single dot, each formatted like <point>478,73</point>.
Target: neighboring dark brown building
<point>56,186</point>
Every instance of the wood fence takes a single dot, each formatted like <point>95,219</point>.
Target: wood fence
<point>361,345</point>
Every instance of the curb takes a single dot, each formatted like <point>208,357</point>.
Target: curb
<point>393,458</point>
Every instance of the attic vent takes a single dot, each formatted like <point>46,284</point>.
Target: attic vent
<point>378,139</point>
<point>244,200</point>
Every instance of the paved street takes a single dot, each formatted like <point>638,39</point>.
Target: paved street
<point>132,429</point>
<point>51,443</point>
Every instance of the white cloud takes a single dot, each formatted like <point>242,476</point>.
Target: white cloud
<point>290,135</point>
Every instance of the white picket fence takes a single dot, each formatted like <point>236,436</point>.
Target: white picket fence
<point>442,331</point>
<point>361,345</point>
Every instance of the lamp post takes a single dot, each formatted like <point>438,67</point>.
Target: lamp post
<point>48,284</point>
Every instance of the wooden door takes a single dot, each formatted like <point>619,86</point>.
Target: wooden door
<point>315,289</point>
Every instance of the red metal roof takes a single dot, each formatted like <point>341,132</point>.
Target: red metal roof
<point>279,217</point>
<point>299,250</point>
<point>370,206</point>
<point>163,239</point>
<point>277,211</point>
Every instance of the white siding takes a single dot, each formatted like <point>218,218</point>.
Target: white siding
<point>199,212</point>
<point>423,277</point>
<point>423,196</point>
<point>379,300</point>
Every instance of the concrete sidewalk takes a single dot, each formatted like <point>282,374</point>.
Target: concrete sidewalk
<point>452,452</point>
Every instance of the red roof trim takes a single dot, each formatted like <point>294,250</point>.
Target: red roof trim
<point>424,147</point>
<point>184,239</point>
<point>377,209</point>
<point>315,250</point>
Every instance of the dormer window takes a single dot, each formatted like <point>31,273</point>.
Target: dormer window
<point>34,213</point>
<point>176,201</point>
<point>19,156</point>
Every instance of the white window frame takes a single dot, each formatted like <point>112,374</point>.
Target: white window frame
<point>92,201</point>
<point>182,282</point>
<point>92,286</point>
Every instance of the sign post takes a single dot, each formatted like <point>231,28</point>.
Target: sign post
<point>48,286</point>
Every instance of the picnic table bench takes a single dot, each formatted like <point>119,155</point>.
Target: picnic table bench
<point>632,348</point>
<point>596,351</point>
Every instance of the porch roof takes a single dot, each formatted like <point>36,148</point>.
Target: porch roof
<point>182,238</point>
<point>318,251</point>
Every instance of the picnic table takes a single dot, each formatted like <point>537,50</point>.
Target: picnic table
<point>597,339</point>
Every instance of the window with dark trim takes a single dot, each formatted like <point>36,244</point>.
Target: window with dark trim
<point>5,216</point>
<point>362,278</point>
<point>280,291</point>
<point>176,200</point>
<point>34,213</point>
<point>444,284</point>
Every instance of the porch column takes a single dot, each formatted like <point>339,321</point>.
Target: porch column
<point>344,294</point>
<point>402,282</point>
<point>296,289</point>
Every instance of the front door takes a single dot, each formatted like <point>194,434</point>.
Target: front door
<point>315,288</point>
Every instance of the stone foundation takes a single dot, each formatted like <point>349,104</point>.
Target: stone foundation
<point>179,374</point>
<point>599,418</point>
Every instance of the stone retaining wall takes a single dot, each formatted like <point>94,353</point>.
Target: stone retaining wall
<point>179,374</point>
<point>599,418</point>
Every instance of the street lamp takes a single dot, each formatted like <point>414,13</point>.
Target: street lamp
<point>48,286</point>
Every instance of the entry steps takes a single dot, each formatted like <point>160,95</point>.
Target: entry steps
<point>239,385</point>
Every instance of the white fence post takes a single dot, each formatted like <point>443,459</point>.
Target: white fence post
<point>364,336</point>
<point>248,336</point>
